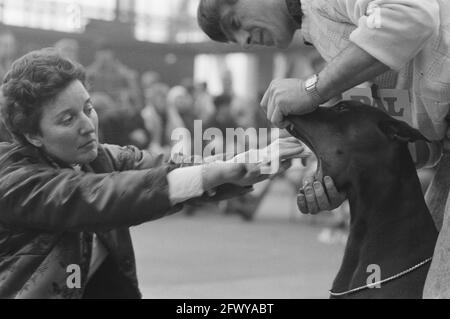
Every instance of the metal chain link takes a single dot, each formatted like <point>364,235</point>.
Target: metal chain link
<point>340,294</point>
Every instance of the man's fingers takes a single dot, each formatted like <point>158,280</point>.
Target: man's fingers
<point>308,180</point>
<point>333,194</point>
<point>277,117</point>
<point>284,123</point>
<point>265,100</point>
<point>321,197</point>
<point>284,134</point>
<point>313,208</point>
<point>271,107</point>
<point>301,204</point>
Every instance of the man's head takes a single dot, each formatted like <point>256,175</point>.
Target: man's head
<point>247,22</point>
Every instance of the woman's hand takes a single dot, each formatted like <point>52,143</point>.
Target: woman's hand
<point>245,174</point>
<point>278,155</point>
<point>286,148</point>
<point>240,172</point>
<point>271,160</point>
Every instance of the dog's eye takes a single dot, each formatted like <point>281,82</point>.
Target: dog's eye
<point>341,108</point>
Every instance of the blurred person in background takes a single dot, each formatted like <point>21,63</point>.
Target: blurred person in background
<point>222,117</point>
<point>181,100</point>
<point>8,52</point>
<point>247,113</point>
<point>203,104</point>
<point>67,200</point>
<point>227,83</point>
<point>107,74</point>
<point>68,48</point>
<point>4,134</point>
<point>117,125</point>
<point>149,78</point>
<point>160,117</point>
<point>189,85</point>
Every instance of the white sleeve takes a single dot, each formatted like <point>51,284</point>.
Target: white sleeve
<point>392,31</point>
<point>185,183</point>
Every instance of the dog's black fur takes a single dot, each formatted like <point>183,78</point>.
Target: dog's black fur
<point>365,152</point>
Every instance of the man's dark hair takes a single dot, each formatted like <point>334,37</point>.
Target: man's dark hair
<point>210,20</point>
<point>33,80</point>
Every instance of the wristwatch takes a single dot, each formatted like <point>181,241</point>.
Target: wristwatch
<point>311,88</point>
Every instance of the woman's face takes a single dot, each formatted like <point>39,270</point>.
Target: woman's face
<point>69,127</point>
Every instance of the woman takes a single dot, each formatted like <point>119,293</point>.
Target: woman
<point>66,201</point>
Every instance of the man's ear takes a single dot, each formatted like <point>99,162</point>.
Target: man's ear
<point>401,131</point>
<point>34,140</point>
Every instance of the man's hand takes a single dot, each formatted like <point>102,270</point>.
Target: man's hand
<point>285,97</point>
<point>348,69</point>
<point>313,199</point>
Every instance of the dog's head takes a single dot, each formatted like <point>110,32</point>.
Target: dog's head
<point>352,138</point>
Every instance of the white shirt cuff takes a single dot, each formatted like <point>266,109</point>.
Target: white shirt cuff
<point>185,183</point>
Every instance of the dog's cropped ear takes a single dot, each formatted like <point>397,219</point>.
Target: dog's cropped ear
<point>401,131</point>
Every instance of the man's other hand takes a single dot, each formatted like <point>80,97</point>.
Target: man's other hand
<point>313,198</point>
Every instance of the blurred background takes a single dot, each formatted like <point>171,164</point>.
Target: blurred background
<point>152,70</point>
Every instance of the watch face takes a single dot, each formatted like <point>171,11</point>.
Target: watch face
<point>310,82</point>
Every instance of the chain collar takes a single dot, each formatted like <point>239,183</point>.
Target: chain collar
<point>295,10</point>
<point>403,273</point>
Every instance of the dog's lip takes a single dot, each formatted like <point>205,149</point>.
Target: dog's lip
<point>303,136</point>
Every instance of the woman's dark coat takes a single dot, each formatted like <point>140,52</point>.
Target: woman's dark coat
<point>49,213</point>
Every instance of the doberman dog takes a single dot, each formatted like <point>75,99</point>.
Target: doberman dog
<point>365,151</point>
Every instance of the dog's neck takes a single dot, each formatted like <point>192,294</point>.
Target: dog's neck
<point>390,224</point>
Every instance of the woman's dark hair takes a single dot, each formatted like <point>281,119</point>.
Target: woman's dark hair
<point>210,19</point>
<point>33,80</point>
